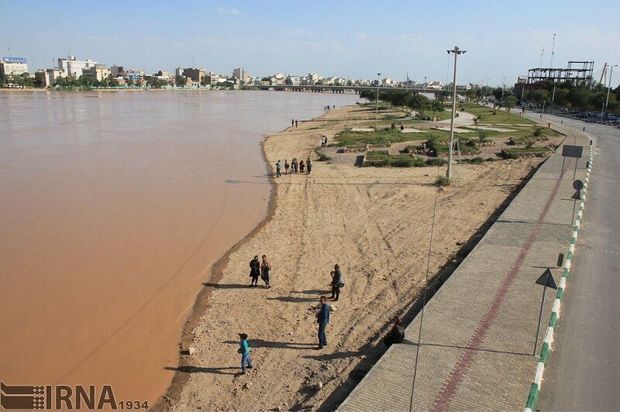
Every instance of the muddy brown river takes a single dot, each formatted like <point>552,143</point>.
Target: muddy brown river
<point>113,206</point>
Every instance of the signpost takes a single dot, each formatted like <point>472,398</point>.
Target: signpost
<point>546,280</point>
<point>571,151</point>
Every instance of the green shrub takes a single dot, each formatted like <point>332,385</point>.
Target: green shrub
<point>436,162</point>
<point>442,181</point>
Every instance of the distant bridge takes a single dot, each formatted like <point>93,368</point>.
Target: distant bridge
<point>337,89</point>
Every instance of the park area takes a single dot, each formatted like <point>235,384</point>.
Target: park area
<point>387,135</point>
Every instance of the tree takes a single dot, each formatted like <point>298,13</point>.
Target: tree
<point>509,102</point>
<point>368,94</point>
<point>537,96</point>
<point>181,81</point>
<point>436,107</point>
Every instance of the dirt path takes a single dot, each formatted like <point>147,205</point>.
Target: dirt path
<point>375,223</point>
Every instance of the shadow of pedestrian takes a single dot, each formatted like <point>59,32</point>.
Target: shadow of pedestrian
<point>199,369</point>
<point>312,292</point>
<point>226,286</point>
<point>335,355</point>
<point>294,299</point>
<point>260,343</point>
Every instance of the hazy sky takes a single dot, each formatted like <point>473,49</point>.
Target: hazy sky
<point>354,39</point>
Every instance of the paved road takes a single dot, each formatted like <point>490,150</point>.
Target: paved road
<point>583,371</point>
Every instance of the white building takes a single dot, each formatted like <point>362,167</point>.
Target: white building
<point>13,66</point>
<point>293,80</point>
<point>242,75</point>
<point>51,75</point>
<point>312,79</point>
<point>74,67</point>
<point>178,72</point>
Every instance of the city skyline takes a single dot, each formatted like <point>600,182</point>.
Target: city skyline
<point>349,39</point>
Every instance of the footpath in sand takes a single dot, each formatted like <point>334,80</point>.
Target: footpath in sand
<point>375,223</point>
<point>475,349</point>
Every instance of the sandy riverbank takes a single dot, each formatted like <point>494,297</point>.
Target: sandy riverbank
<point>375,223</point>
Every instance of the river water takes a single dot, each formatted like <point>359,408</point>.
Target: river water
<point>113,205</point>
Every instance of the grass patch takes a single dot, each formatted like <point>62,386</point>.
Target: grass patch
<point>516,152</point>
<point>486,116</point>
<point>383,159</point>
<point>378,137</point>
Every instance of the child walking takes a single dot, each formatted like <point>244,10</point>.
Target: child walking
<point>244,350</point>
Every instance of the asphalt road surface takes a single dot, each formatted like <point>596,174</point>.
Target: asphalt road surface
<point>584,368</point>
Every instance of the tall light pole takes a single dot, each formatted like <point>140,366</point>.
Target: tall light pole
<point>456,51</point>
<point>377,101</point>
<point>611,71</point>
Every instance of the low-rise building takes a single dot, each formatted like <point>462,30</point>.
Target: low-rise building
<point>197,75</point>
<point>51,76</point>
<point>98,72</point>
<point>117,70</point>
<point>74,67</point>
<point>13,66</point>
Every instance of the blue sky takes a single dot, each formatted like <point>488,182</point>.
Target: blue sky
<point>353,39</point>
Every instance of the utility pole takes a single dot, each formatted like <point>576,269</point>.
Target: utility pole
<point>611,72</point>
<point>456,51</point>
<point>553,71</point>
<point>552,51</point>
<point>377,101</point>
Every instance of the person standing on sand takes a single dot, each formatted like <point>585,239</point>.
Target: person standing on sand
<point>295,123</point>
<point>286,166</point>
<point>254,271</point>
<point>278,174</point>
<point>265,267</point>
<point>322,318</point>
<point>244,350</point>
<point>337,282</point>
<point>301,166</point>
<point>292,122</point>
<point>294,165</point>
<point>309,165</point>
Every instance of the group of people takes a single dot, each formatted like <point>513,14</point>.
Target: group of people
<point>260,269</point>
<point>396,333</point>
<point>294,122</point>
<point>324,140</point>
<point>295,166</point>
<point>329,107</point>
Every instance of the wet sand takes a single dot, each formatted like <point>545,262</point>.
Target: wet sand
<point>114,206</point>
<point>375,223</point>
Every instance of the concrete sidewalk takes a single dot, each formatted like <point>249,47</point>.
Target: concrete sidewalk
<point>477,338</point>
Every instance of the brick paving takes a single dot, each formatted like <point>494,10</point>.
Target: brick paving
<point>477,339</point>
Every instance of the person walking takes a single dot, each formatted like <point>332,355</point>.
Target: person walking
<point>337,282</point>
<point>309,165</point>
<point>322,318</point>
<point>295,123</point>
<point>254,271</point>
<point>286,166</point>
<point>301,166</point>
<point>292,122</point>
<point>278,174</point>
<point>244,350</point>
<point>265,267</point>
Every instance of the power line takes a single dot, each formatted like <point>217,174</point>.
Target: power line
<point>428,266</point>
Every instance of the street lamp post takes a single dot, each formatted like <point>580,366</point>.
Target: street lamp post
<point>456,51</point>
<point>611,72</point>
<point>377,102</point>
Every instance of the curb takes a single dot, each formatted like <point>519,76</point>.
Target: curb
<point>532,398</point>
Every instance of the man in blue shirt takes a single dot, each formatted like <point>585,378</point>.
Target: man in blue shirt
<point>322,319</point>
